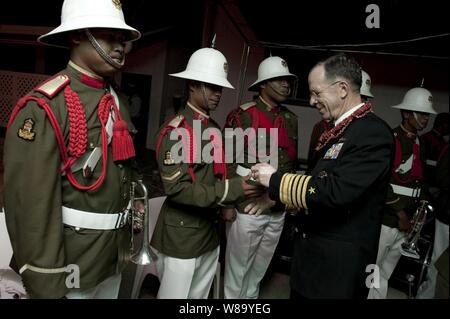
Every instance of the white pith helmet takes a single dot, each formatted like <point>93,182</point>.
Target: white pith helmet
<point>87,14</point>
<point>366,83</point>
<point>417,100</point>
<point>269,68</point>
<point>206,65</point>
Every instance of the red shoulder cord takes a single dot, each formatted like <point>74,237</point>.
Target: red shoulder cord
<point>77,132</point>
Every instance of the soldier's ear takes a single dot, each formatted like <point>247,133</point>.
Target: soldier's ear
<point>76,37</point>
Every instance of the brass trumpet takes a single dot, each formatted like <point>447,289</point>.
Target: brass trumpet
<point>409,247</point>
<point>144,255</point>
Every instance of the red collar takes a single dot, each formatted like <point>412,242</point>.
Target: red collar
<point>92,82</point>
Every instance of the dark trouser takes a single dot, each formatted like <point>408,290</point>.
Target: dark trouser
<point>296,295</point>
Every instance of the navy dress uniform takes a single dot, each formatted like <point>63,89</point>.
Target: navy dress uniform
<point>341,201</point>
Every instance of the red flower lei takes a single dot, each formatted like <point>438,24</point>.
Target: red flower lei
<point>338,130</point>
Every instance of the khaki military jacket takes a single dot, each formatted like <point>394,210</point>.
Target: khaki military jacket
<point>396,202</point>
<point>285,163</point>
<point>35,192</point>
<point>187,226</point>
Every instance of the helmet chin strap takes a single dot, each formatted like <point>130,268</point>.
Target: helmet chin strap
<point>205,100</point>
<point>101,51</point>
<point>417,120</point>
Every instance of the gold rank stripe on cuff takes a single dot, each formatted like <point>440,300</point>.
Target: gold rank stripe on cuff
<point>293,190</point>
<point>42,270</point>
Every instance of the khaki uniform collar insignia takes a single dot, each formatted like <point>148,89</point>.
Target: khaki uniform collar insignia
<point>26,131</point>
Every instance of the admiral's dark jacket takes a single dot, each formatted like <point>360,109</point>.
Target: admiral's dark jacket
<point>342,201</point>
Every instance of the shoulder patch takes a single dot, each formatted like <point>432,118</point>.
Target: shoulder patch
<point>26,131</point>
<point>52,86</point>
<point>246,106</point>
<point>176,121</point>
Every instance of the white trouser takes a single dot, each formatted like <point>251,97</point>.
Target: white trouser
<point>428,287</point>
<point>186,278</point>
<point>389,254</point>
<point>251,243</point>
<point>107,289</point>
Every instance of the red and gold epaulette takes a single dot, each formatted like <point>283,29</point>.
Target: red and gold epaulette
<point>246,106</point>
<point>176,121</point>
<point>52,86</point>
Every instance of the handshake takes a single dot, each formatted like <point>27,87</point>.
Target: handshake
<point>259,175</point>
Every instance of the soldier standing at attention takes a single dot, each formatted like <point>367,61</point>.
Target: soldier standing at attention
<point>186,234</point>
<point>68,166</point>
<point>254,234</point>
<point>407,187</point>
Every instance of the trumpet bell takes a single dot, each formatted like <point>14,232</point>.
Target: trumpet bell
<point>409,251</point>
<point>145,256</point>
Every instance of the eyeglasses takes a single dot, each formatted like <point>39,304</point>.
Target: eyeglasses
<point>316,94</point>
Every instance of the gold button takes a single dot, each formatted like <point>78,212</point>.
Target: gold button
<point>181,223</point>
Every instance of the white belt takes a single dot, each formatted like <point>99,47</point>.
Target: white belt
<point>406,191</point>
<point>431,162</point>
<point>79,218</point>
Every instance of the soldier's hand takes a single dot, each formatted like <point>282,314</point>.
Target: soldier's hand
<point>262,172</point>
<point>260,204</point>
<point>251,190</point>
<point>228,214</point>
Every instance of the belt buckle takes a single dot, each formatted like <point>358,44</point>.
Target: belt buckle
<point>121,220</point>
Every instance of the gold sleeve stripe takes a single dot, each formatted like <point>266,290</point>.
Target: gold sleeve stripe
<point>42,270</point>
<point>299,194</point>
<point>290,189</point>
<point>283,189</point>
<point>294,190</point>
<point>304,190</point>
